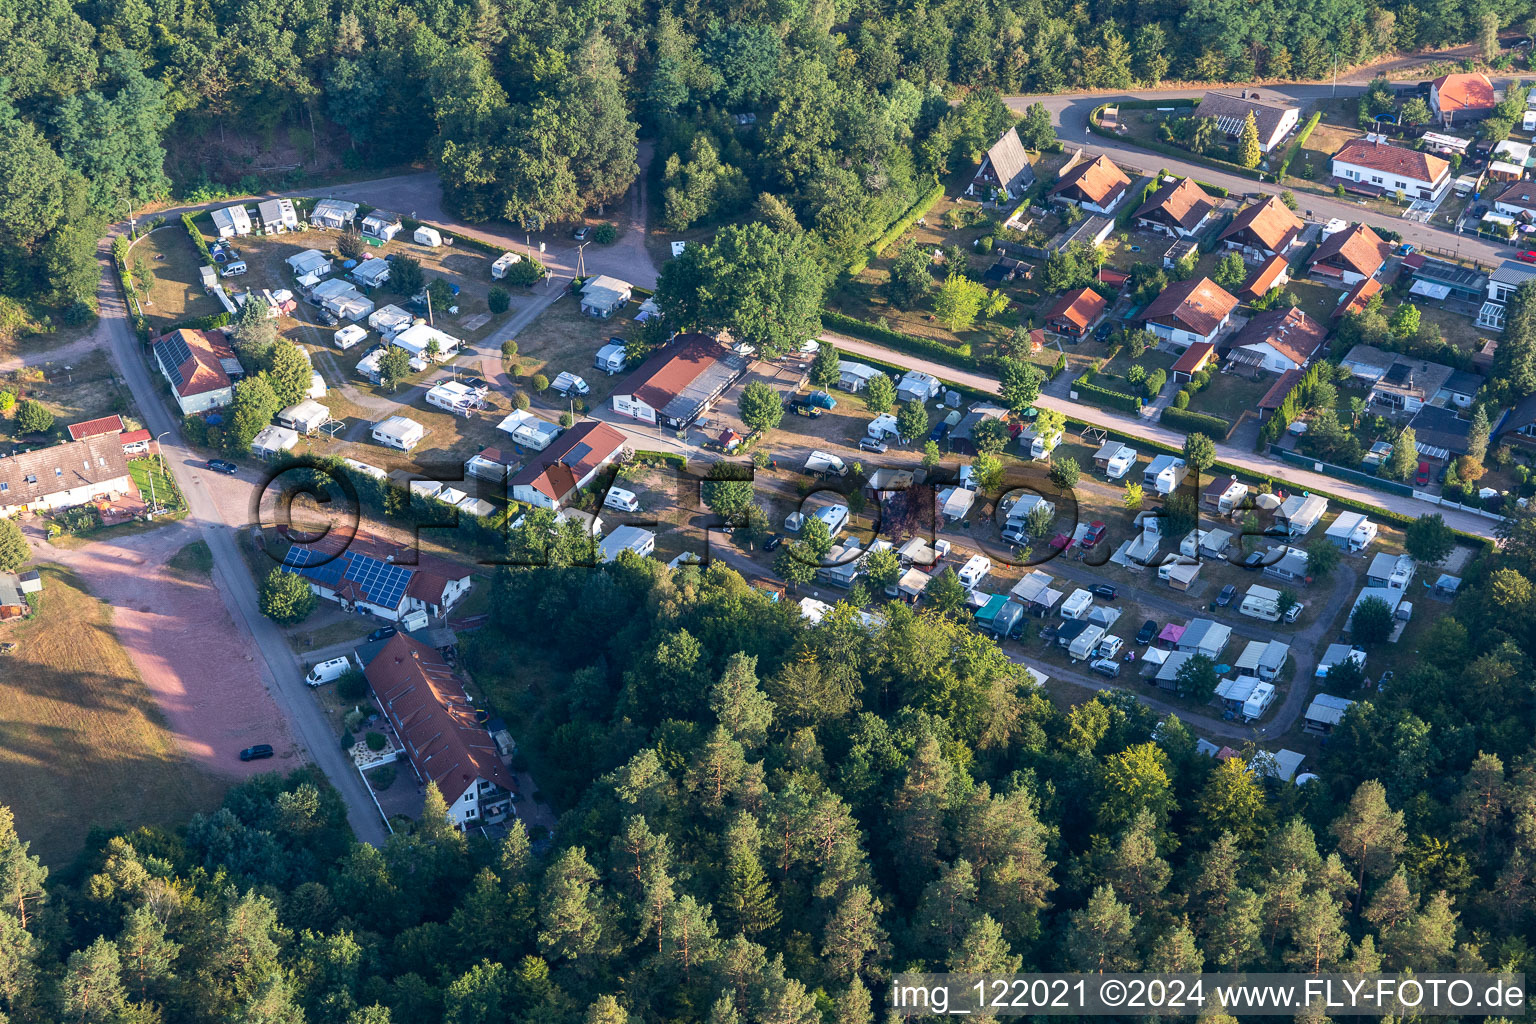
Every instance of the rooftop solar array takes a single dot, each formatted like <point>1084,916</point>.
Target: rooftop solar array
<point>384,583</point>
<point>173,353</point>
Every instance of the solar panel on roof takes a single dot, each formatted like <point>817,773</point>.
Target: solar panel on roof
<point>577,453</point>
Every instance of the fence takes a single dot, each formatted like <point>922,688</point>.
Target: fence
<point>1341,472</point>
<point>1458,506</point>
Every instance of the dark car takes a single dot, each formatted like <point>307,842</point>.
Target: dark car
<point>256,753</point>
<point>940,432</point>
<point>382,633</point>
<point>1103,590</point>
<point>581,233</point>
<point>1254,560</point>
<point>223,466</point>
<point>1224,598</point>
<point>1147,633</point>
<point>1103,331</point>
<point>772,542</point>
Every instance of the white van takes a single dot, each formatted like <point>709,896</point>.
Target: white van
<point>621,500</point>
<point>233,269</point>
<point>328,671</point>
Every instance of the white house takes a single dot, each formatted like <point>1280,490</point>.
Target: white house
<point>382,224</point>
<point>1301,512</point>
<point>1190,311</point>
<point>1273,117</point>
<point>341,299</point>
<point>602,296</point>
<point>1391,169</point>
<point>310,261</point>
<point>200,367</point>
<point>231,221</point>
<point>371,273</point>
<point>551,478</point>
<point>417,338</point>
<point>853,376</point>
<point>626,538</point>
<point>63,475</point>
<point>390,320</point>
<point>528,430</point>
<point>337,214</point>
<point>1393,572</point>
<point>367,577</point>
<point>399,432</point>
<point>1351,531</point>
<point>679,382</point>
<point>278,216</point>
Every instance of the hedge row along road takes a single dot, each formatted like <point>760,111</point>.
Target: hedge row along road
<point>1131,426</point>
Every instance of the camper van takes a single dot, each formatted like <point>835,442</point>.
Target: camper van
<point>567,384</point>
<point>825,462</point>
<point>503,264</point>
<point>234,268</point>
<point>621,500</point>
<point>328,671</point>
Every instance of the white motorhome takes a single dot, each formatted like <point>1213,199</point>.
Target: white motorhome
<point>621,500</point>
<point>826,463</point>
<point>328,671</point>
<point>503,264</point>
<point>974,571</point>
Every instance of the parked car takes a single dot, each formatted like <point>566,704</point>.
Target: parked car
<point>1106,667</point>
<point>939,432</point>
<point>382,633</point>
<point>1096,531</point>
<point>1294,612</point>
<point>256,753</point>
<point>1103,331</point>
<point>223,466</point>
<point>1147,633</point>
<point>1224,598</point>
<point>804,409</point>
<point>1529,256</point>
<point>772,542</point>
<point>870,444</point>
<point>581,233</point>
<point>1103,590</point>
<point>1421,478</point>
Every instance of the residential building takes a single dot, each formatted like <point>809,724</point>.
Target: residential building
<point>277,216</point>
<point>1005,167</point>
<point>552,478</point>
<point>679,382</point>
<point>1274,117</point>
<point>417,339</point>
<point>231,221</point>
<point>602,296</point>
<point>1096,185</point>
<point>111,425</point>
<point>1205,636</point>
<point>201,368</point>
<point>1274,273</point>
<point>1390,572</point>
<point>366,575</point>
<point>341,299</point>
<point>1458,99</point>
<point>1351,255</point>
<point>337,214</point>
<point>1351,531</point>
<point>1460,389</point>
<point>441,730</point>
<point>381,224</point>
<point>1502,283</point>
<point>399,432</point>
<point>1196,359</point>
<point>917,386</point>
<point>1189,311</point>
<point>1325,712</point>
<point>1075,313</point>
<point>309,262</point>
<point>1388,169</point>
<point>1408,385</point>
<point>1263,230</point>
<point>1179,208</point>
<point>1277,340</point>
<point>371,273</point>
<point>64,475</point>
<point>626,538</point>
<point>1357,299</point>
<point>1301,512</point>
<point>306,417</point>
<point>1518,199</point>
<point>273,440</point>
<point>1441,432</point>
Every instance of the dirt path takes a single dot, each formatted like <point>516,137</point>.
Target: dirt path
<point>198,665</point>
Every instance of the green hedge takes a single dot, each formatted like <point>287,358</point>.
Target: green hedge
<point>196,235</point>
<point>667,458</point>
<point>1159,146</point>
<point>1104,396</point>
<point>1186,101</point>
<point>1215,190</point>
<point>898,228</point>
<point>211,322</point>
<point>1301,138</point>
<point>957,356</point>
<point>1191,422</point>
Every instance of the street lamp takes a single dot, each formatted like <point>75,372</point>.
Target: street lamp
<point>154,502</point>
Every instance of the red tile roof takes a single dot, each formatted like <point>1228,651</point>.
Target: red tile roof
<point>1098,180</point>
<point>1389,159</point>
<point>1290,332</point>
<point>434,718</point>
<point>1282,387</point>
<point>128,437</point>
<point>556,470</point>
<point>1464,92</point>
<point>90,428</point>
<point>1182,202</point>
<point>1267,277</point>
<point>1195,357</point>
<point>1198,304</point>
<point>1271,222</point>
<point>1079,308</point>
<point>1359,249</point>
<point>668,373</point>
<point>1358,296</point>
<point>202,370</point>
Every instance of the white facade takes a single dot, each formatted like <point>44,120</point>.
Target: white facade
<point>399,432</point>
<point>1414,188</point>
<point>1180,338</point>
<point>455,398</point>
<point>528,430</point>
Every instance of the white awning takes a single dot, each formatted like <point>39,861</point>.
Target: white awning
<point>1430,290</point>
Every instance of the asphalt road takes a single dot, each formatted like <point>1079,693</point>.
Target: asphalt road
<point>281,670</point>
<point>1070,113</point>
<point>1133,427</point>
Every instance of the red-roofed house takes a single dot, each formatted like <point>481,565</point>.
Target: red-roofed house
<point>1180,208</point>
<point>1356,298</point>
<point>1457,99</point>
<point>1275,396</point>
<point>1263,230</point>
<point>1190,311</point>
<point>90,428</point>
<point>1195,358</point>
<point>679,382</point>
<point>1386,168</point>
<point>443,733</point>
<point>572,462</point>
<point>1275,273</point>
<point>1076,312</point>
<point>366,575</point>
<point>1351,255</point>
<point>201,368</point>
<point>1096,185</point>
<point>1278,340</point>
<point>135,442</point>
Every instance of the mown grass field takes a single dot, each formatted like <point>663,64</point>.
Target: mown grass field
<point>82,742</point>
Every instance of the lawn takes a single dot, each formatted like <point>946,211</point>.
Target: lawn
<point>1229,395</point>
<point>565,339</point>
<point>194,560</point>
<point>81,740</point>
<point>85,390</point>
<point>1318,301</point>
<point>155,484</point>
<point>1459,330</point>
<point>177,291</point>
